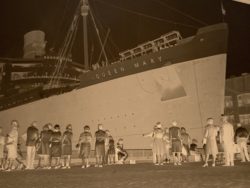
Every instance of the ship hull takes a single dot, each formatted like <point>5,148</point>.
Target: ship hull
<point>185,83</point>
<point>131,105</point>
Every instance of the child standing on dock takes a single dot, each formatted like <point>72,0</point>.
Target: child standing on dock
<point>85,146</point>
<point>56,146</point>
<point>209,139</point>
<point>44,150</point>
<point>100,135</point>
<point>67,147</point>
<point>110,149</point>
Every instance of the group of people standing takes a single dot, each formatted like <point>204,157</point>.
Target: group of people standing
<point>175,138</point>
<point>54,148</point>
<point>219,141</point>
<point>105,150</point>
<point>223,139</point>
<point>50,145</point>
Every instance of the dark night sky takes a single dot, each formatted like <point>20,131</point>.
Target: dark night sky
<point>127,29</point>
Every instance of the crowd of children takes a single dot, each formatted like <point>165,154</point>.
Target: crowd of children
<point>54,149</point>
<point>220,142</point>
<point>165,138</point>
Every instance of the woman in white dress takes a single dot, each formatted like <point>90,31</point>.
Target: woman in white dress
<point>211,148</point>
<point>11,145</point>
<point>158,143</point>
<point>167,145</point>
<point>227,137</point>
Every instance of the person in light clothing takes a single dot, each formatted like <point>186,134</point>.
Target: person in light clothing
<point>150,135</point>
<point>11,145</point>
<point>227,137</point>
<point>167,145</point>
<point>241,137</point>
<point>158,143</point>
<point>209,140</point>
<point>186,143</point>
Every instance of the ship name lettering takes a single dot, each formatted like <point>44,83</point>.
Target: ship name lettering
<point>122,69</point>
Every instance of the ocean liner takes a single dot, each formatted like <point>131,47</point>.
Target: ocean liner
<point>164,79</point>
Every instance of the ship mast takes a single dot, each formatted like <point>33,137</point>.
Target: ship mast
<point>84,13</point>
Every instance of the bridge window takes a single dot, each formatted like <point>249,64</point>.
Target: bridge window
<point>147,46</point>
<point>137,50</point>
<point>228,101</point>
<point>245,119</point>
<point>243,99</point>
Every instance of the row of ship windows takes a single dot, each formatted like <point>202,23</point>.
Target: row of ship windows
<point>244,119</point>
<point>242,100</point>
<point>26,76</point>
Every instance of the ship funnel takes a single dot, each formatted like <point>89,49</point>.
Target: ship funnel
<point>34,44</point>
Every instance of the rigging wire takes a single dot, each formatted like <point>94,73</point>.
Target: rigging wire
<point>69,50</point>
<point>101,26</point>
<point>65,49</point>
<point>103,50</point>
<point>148,16</point>
<point>98,33</point>
<point>180,12</point>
